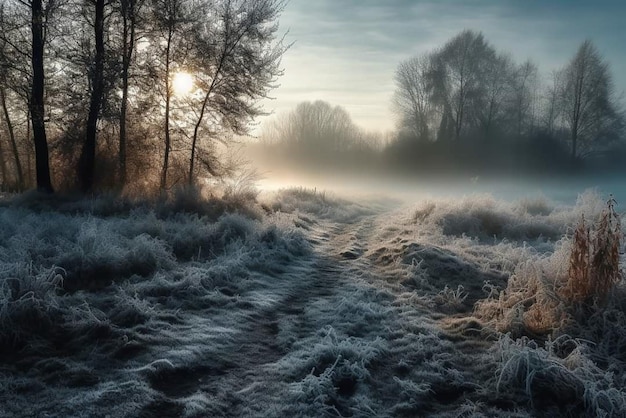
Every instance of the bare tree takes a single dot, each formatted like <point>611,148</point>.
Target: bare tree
<point>129,11</point>
<point>6,68</point>
<point>491,92</point>
<point>551,103</point>
<point>3,167</point>
<point>237,62</point>
<point>586,97</point>
<point>318,125</point>
<point>459,75</point>
<point>170,17</point>
<point>13,142</point>
<point>315,132</point>
<point>40,13</point>
<point>525,84</point>
<point>413,99</point>
<point>88,152</point>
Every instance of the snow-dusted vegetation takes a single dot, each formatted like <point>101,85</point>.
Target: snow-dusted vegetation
<point>303,304</point>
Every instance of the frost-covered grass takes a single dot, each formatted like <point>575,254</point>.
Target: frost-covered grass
<point>500,271</point>
<point>301,304</point>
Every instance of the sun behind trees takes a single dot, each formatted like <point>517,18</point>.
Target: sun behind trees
<point>102,88</point>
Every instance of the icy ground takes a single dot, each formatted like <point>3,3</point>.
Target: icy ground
<point>308,305</point>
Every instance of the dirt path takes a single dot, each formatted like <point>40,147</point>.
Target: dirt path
<point>273,347</point>
<point>239,365</point>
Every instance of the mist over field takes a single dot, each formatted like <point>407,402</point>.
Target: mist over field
<point>413,189</point>
<point>265,208</point>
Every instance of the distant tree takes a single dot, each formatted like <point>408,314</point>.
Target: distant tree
<point>462,88</point>
<point>413,98</point>
<point>525,85</point>
<point>7,82</point>
<point>317,134</point>
<point>460,76</point>
<point>586,100</point>
<point>317,128</point>
<point>491,92</point>
<point>12,139</point>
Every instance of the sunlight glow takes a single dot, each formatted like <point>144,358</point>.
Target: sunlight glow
<point>182,83</point>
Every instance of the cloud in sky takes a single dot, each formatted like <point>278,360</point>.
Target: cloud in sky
<point>346,51</point>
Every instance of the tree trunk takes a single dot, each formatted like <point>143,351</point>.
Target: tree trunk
<point>168,95</point>
<point>29,153</point>
<point>88,154</point>
<point>16,154</point>
<point>128,18</point>
<point>196,128</point>
<point>37,102</point>
<point>3,169</point>
<point>194,141</point>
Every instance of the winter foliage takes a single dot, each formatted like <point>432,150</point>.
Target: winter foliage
<point>304,303</point>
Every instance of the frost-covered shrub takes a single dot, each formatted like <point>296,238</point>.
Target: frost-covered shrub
<point>193,238</point>
<point>29,310</point>
<point>486,219</point>
<point>318,203</point>
<point>205,203</point>
<point>545,292</point>
<point>100,256</point>
<point>537,205</point>
<point>558,378</point>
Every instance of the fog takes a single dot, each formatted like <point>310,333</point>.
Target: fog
<point>317,145</point>
<point>468,119</point>
<point>469,262</point>
<point>562,190</point>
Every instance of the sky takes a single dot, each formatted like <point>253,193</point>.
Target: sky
<point>346,51</point>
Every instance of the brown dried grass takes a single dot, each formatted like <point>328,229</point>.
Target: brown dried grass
<point>594,269</point>
<point>534,304</point>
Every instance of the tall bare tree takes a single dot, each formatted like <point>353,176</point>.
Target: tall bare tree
<point>413,99</point>
<point>551,103</point>
<point>491,92</point>
<point>170,17</point>
<point>237,60</point>
<point>525,84</point>
<point>39,17</point>
<point>586,97</point>
<point>459,66</point>
<point>87,160</point>
<point>129,11</point>
<point>12,139</point>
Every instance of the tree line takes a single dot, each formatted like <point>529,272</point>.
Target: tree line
<point>467,107</point>
<point>88,98</point>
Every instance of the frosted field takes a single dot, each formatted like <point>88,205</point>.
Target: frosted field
<point>302,304</point>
